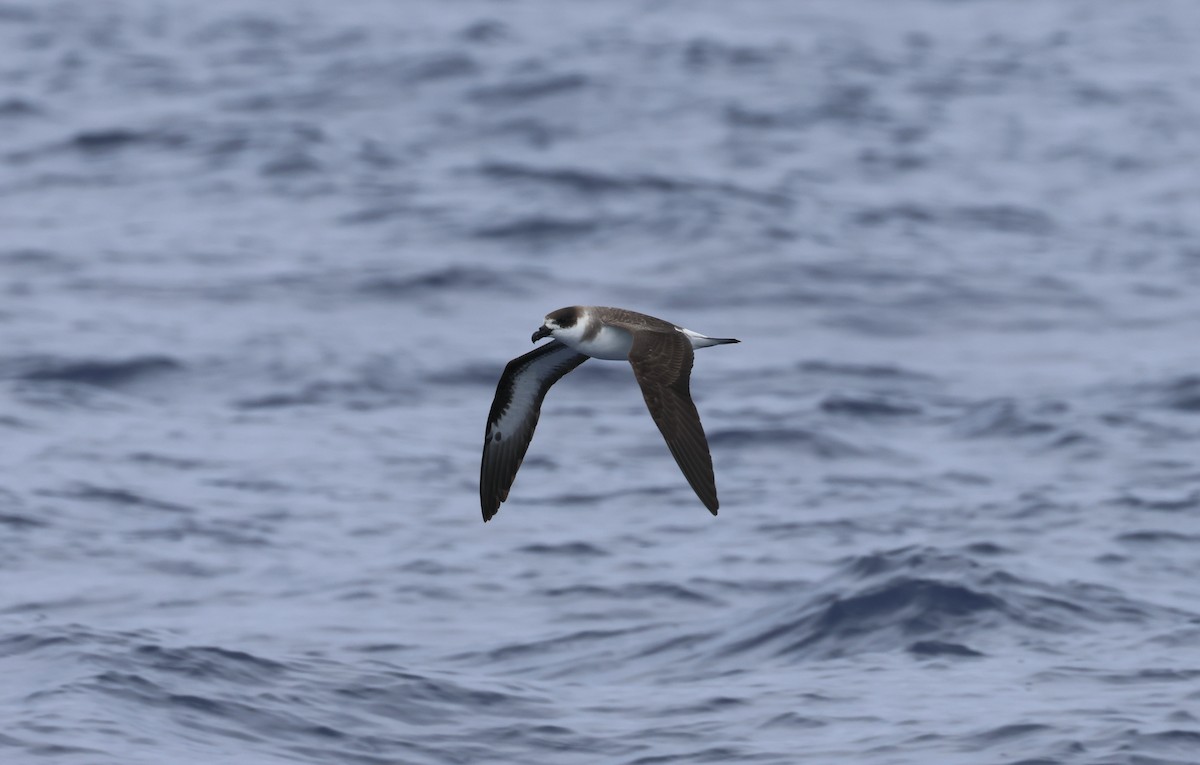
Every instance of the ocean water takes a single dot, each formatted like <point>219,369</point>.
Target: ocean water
<point>261,265</point>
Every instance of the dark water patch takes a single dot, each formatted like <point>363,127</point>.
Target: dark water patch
<point>52,637</point>
<point>254,485</point>
<point>939,648</point>
<point>1005,218</point>
<point>719,754</point>
<point>998,218</point>
<point>110,140</point>
<point>292,163</point>
<point>754,586</point>
<point>521,90</point>
<point>1148,427</point>
<point>875,324</point>
<point>1181,394</point>
<point>630,592</point>
<point>883,617</point>
<point>813,442</point>
<point>907,559</point>
<point>104,373</point>
<point>677,644</point>
<point>448,279</point>
<point>892,161</point>
<point>374,213</point>
<point>107,140</point>
<point>1182,738</point>
<point>916,606</point>
<point>208,663</point>
<point>430,567</point>
<point>850,104</point>
<point>307,397</point>
<point>708,705</point>
<point>1005,417</point>
<point>442,66</point>
<point>244,28</point>
<point>114,496</point>
<point>897,599</point>
<point>538,227</point>
<point>381,648</point>
<point>879,482</point>
<point>543,737</point>
<point>575,179</point>
<point>376,383</point>
<point>23,643</point>
<point>184,568</point>
<point>485,31</point>
<point>886,372</point>
<point>903,213</point>
<point>18,108</point>
<point>1006,733</point>
<point>576,498</point>
<point>1146,675</point>
<point>230,534</point>
<point>793,720</point>
<point>1158,537</point>
<point>244,700</point>
<point>758,118</point>
<point>168,461</point>
<point>242,718</point>
<point>867,406</point>
<point>1166,499</point>
<point>594,182</point>
<point>60,750</point>
<point>416,699</point>
<point>16,521</point>
<point>581,640</point>
<point>36,259</point>
<point>706,52</point>
<point>987,548</point>
<point>568,549</point>
<point>17,14</point>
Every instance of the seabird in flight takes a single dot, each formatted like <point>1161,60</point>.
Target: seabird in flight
<point>661,356</point>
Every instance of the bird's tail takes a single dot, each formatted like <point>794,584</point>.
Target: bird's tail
<point>703,341</point>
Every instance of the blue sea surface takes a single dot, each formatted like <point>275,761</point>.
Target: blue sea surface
<point>261,265</point>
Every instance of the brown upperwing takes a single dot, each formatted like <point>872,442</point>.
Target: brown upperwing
<point>662,363</point>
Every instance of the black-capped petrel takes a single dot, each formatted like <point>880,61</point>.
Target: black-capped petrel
<point>661,356</point>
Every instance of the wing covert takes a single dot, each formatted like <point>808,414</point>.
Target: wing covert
<point>662,363</point>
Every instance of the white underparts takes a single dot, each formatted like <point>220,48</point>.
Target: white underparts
<point>610,343</point>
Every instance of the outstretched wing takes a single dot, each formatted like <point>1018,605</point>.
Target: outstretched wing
<point>662,363</point>
<point>514,415</point>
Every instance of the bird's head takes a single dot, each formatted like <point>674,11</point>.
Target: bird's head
<point>557,323</point>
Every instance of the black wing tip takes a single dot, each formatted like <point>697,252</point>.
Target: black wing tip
<point>490,514</point>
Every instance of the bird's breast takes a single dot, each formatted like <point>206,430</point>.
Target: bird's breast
<point>609,343</point>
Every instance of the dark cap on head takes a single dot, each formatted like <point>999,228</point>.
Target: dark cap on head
<point>565,317</point>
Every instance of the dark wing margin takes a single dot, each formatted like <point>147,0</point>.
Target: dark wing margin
<point>662,363</point>
<point>514,416</point>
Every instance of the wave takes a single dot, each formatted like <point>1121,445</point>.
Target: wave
<point>116,374</point>
<point>926,602</point>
